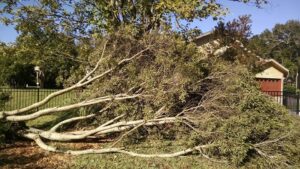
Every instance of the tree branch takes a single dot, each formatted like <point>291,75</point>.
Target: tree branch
<point>46,147</point>
<point>113,128</point>
<point>70,107</point>
<point>130,131</point>
<point>83,82</point>
<point>54,128</point>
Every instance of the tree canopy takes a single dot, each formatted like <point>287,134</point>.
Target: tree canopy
<point>55,54</point>
<point>53,33</point>
<point>281,43</point>
<point>91,17</point>
<point>237,29</point>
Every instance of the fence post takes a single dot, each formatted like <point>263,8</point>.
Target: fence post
<point>38,97</point>
<point>298,97</point>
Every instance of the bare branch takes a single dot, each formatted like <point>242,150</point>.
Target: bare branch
<point>262,153</point>
<point>209,158</point>
<point>54,128</point>
<point>116,127</point>
<point>113,120</point>
<point>271,141</point>
<point>39,142</point>
<point>85,82</point>
<point>159,112</point>
<point>70,107</point>
<point>46,147</point>
<point>130,131</point>
<point>96,67</point>
<point>111,69</point>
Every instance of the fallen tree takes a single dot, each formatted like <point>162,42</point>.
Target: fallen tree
<point>209,102</point>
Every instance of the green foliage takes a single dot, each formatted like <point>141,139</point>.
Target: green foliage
<point>55,54</point>
<point>125,162</point>
<point>218,95</point>
<point>166,72</point>
<point>259,120</point>
<point>289,88</point>
<point>4,126</point>
<point>234,117</point>
<point>14,70</point>
<point>48,30</point>
<point>4,97</point>
<point>237,29</point>
<point>282,43</point>
<point>93,17</point>
<point>7,129</point>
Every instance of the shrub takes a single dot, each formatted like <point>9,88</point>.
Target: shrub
<point>4,97</point>
<point>4,126</point>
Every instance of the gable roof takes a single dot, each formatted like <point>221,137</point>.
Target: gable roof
<point>276,65</point>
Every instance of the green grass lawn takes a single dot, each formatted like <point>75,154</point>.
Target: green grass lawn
<point>115,161</point>
<point>151,146</point>
<point>20,98</point>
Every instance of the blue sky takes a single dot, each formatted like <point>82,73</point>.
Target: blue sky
<point>277,11</point>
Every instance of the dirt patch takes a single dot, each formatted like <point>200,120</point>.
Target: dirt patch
<point>27,155</point>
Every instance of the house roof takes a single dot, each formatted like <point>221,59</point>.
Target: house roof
<point>203,38</point>
<point>208,36</point>
<point>203,35</point>
<point>277,65</point>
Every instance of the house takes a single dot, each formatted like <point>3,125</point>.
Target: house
<point>270,78</point>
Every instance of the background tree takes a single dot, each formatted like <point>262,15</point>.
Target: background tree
<point>48,28</point>
<point>15,70</point>
<point>55,55</point>
<point>237,29</point>
<point>281,43</point>
<point>96,17</point>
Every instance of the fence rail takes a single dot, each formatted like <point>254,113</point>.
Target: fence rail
<point>288,99</point>
<point>19,98</point>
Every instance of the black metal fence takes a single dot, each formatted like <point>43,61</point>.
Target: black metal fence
<point>19,98</point>
<point>289,100</point>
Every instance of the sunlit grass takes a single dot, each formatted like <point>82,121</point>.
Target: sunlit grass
<point>20,98</point>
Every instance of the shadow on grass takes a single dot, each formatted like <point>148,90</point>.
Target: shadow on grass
<point>19,160</point>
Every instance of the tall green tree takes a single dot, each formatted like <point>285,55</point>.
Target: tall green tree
<point>281,43</point>
<point>14,70</point>
<point>84,17</point>
<point>55,54</point>
<point>237,29</point>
